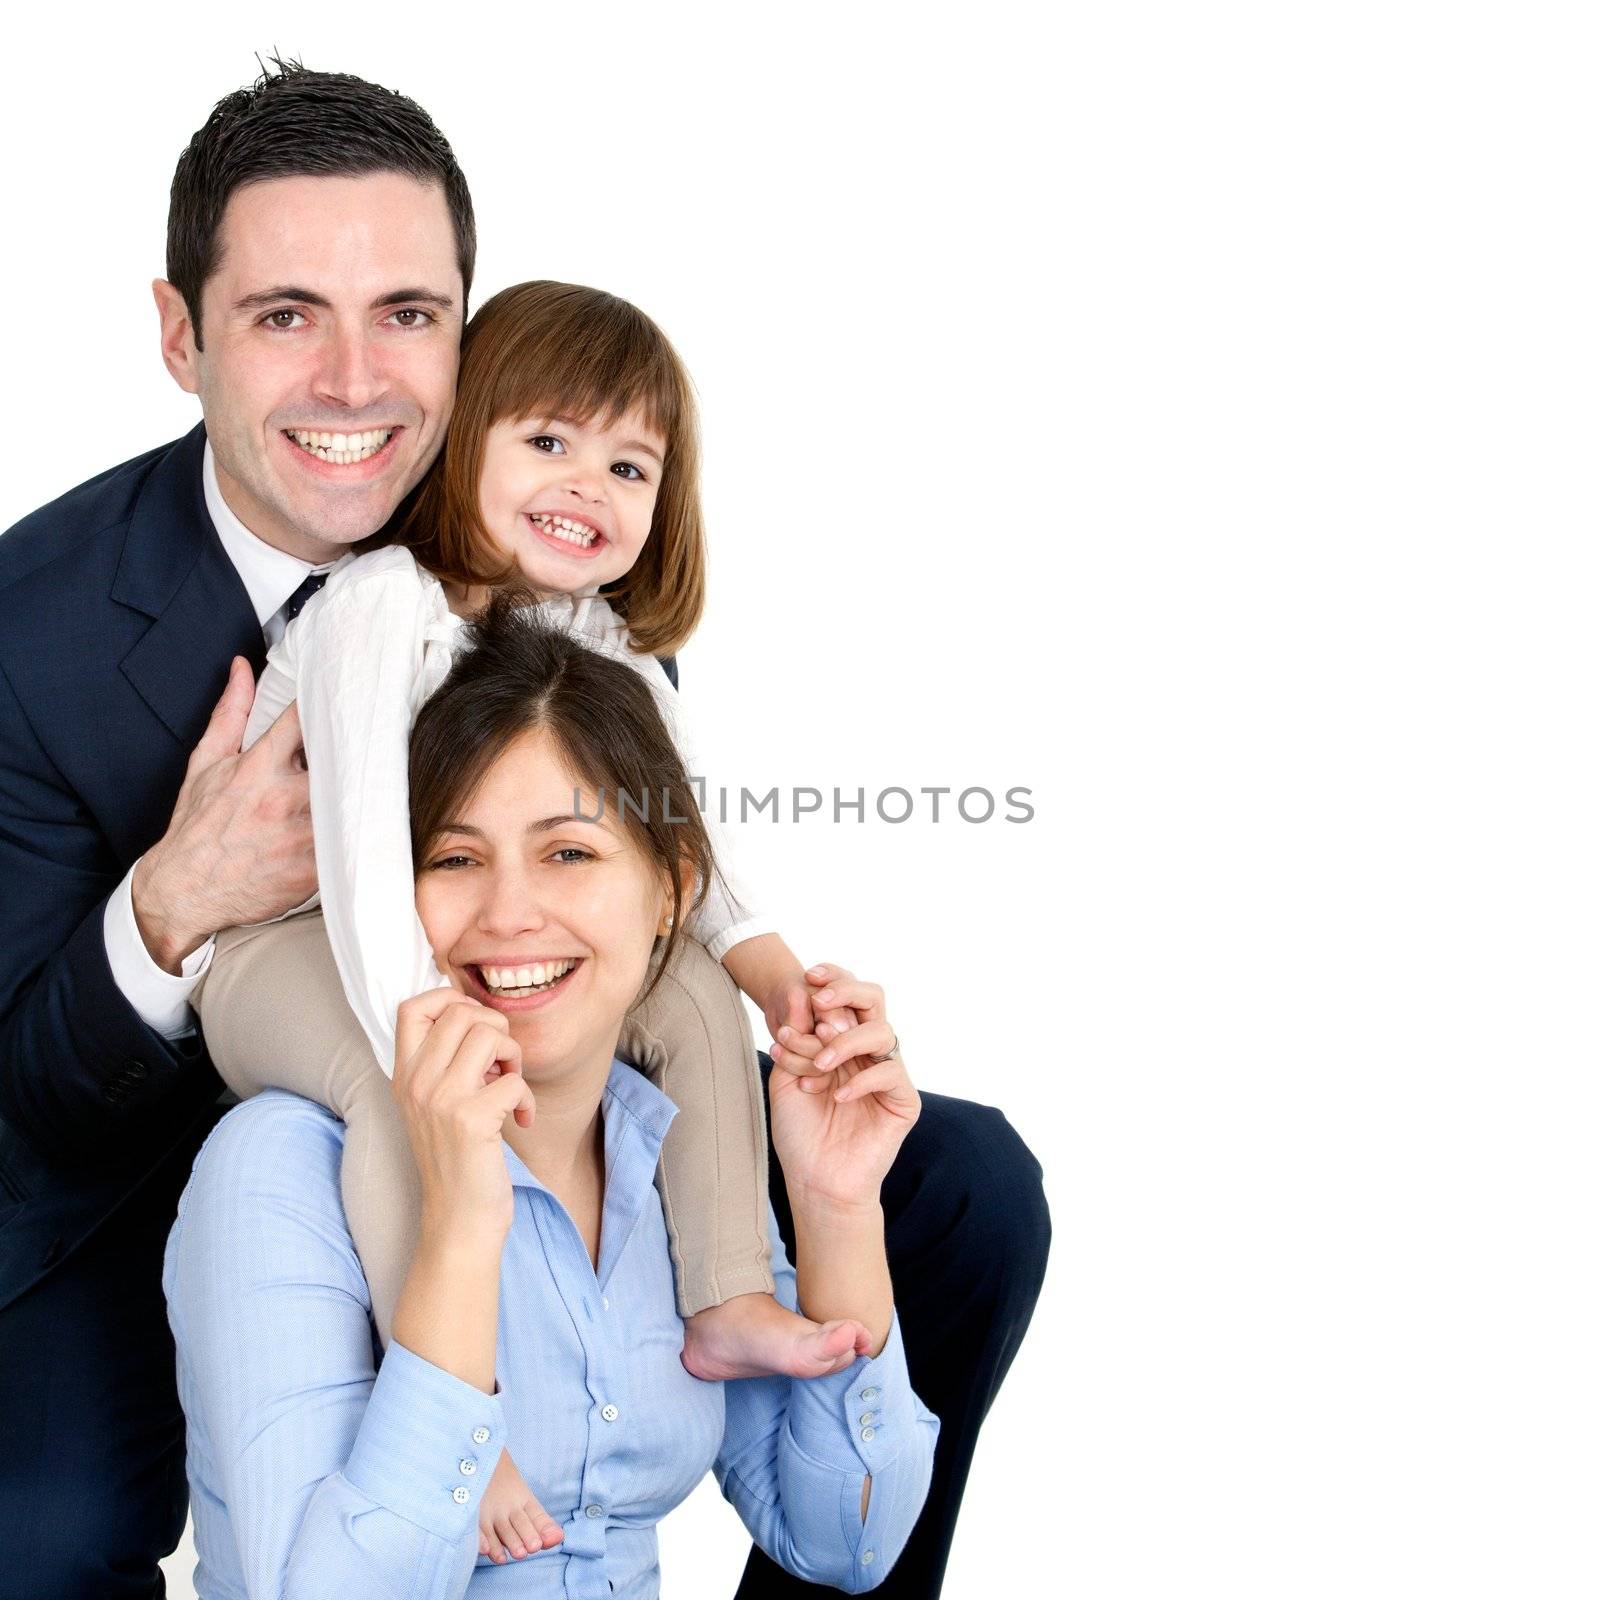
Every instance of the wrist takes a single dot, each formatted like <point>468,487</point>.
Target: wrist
<point>165,939</point>
<point>764,967</point>
<point>825,1216</point>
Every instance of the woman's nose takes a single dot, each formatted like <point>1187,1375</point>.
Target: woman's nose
<point>511,906</point>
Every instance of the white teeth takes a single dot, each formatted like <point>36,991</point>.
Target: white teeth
<point>523,980</point>
<point>563,528</point>
<point>342,448</point>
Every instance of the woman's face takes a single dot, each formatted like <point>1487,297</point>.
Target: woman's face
<point>543,916</point>
<point>571,502</point>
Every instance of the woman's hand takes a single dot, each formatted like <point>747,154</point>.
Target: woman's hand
<point>457,1077</point>
<point>837,1136</point>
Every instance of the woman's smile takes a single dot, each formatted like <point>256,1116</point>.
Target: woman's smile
<point>519,985</point>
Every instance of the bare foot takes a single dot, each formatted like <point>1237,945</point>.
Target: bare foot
<point>752,1336</point>
<point>511,1523</point>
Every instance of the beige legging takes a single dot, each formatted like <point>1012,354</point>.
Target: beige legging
<point>275,1016</point>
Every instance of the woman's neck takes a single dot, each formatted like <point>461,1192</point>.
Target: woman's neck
<point>566,1123</point>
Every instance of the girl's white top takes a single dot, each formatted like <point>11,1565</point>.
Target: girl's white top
<point>370,647</point>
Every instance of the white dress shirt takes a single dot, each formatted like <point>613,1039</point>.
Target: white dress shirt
<point>370,647</point>
<point>269,576</point>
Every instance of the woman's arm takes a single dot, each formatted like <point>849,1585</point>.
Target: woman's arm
<point>830,1474</point>
<point>335,1475</point>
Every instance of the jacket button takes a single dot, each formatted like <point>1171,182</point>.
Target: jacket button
<point>138,1071</point>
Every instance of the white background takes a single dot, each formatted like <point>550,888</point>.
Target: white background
<point>1188,413</point>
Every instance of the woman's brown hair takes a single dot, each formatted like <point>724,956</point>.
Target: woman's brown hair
<point>549,349</point>
<point>515,673</point>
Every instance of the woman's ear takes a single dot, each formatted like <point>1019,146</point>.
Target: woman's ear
<point>686,887</point>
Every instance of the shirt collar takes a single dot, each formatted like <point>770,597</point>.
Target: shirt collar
<point>269,575</point>
<point>635,1113</point>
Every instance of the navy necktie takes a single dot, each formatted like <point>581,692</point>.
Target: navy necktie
<point>292,606</point>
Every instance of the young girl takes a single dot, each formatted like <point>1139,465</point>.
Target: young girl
<point>571,466</point>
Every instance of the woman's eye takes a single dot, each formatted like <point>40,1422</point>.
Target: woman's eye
<point>572,854</point>
<point>271,320</point>
<point>548,443</point>
<point>626,469</point>
<point>449,863</point>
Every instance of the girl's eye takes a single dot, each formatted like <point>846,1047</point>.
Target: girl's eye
<point>626,469</point>
<point>548,443</point>
<point>571,854</point>
<point>271,318</point>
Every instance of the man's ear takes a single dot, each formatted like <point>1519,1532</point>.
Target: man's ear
<point>177,336</point>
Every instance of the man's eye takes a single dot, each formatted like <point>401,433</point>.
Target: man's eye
<point>275,319</point>
<point>548,443</point>
<point>626,469</point>
<point>414,311</point>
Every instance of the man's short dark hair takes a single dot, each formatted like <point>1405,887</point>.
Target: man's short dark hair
<point>295,123</point>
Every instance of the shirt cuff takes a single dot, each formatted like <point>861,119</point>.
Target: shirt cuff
<point>723,940</point>
<point>427,1446</point>
<point>161,1000</point>
<point>857,1420</point>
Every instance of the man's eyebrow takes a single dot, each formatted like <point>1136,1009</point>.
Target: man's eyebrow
<point>309,297</point>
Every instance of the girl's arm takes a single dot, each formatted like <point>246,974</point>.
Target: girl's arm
<point>370,647</point>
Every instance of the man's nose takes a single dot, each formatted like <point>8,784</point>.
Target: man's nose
<point>348,375</point>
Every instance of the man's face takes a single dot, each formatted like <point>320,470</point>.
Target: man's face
<point>334,310</point>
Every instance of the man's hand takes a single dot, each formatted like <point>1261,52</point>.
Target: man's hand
<point>238,849</point>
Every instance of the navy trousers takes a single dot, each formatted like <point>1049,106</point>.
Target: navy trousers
<point>91,1450</point>
<point>968,1234</point>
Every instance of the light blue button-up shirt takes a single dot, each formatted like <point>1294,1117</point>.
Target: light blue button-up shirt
<point>320,1467</point>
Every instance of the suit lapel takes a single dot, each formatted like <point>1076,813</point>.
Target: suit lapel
<point>175,571</point>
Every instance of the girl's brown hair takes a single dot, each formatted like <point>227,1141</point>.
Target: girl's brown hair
<point>549,349</point>
<point>516,673</point>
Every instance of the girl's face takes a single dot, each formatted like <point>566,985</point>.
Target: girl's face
<point>545,917</point>
<point>570,501</point>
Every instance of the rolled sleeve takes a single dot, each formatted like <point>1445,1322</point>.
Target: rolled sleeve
<point>428,1445</point>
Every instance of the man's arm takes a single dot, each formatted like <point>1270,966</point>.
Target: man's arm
<point>76,1059</point>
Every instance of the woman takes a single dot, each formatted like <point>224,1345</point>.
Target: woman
<point>316,1469</point>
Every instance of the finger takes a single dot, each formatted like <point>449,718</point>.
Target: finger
<point>475,1058</point>
<point>280,744</point>
<point>866,999</point>
<point>866,1039</point>
<point>415,1024</point>
<point>824,973</point>
<point>511,1096</point>
<point>888,1079</point>
<point>225,729</point>
<point>797,1065</point>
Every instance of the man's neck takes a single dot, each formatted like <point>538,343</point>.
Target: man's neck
<point>260,523</point>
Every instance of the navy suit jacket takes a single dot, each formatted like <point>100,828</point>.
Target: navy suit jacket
<point>119,614</point>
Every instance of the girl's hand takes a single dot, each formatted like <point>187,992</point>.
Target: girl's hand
<point>457,1077</point>
<point>837,1136</point>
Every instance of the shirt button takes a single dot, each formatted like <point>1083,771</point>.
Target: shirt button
<point>610,1413</point>
<point>868,1435</point>
<point>468,1466</point>
<point>480,1436</point>
<point>869,1394</point>
<point>605,1304</point>
<point>866,1558</point>
<point>459,1494</point>
<point>594,1511</point>
<point>868,1418</point>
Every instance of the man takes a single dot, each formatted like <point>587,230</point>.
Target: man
<point>320,253</point>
